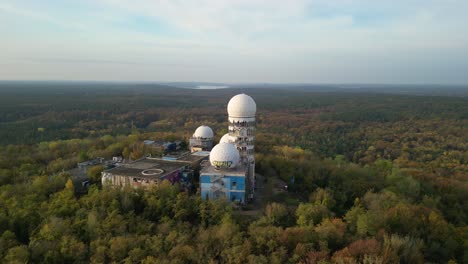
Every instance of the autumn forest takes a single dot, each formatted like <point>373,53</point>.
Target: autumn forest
<point>372,177</point>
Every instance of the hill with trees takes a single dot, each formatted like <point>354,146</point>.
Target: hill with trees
<point>372,178</point>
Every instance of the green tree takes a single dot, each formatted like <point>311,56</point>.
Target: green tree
<point>18,254</point>
<point>63,203</point>
<point>277,214</point>
<point>94,173</point>
<point>311,214</point>
<point>83,156</point>
<point>331,233</point>
<point>7,241</point>
<point>398,249</point>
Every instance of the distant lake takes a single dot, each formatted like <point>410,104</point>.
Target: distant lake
<point>212,86</point>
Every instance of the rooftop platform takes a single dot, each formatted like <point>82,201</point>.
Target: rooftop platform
<point>206,168</point>
<point>148,168</point>
<point>186,156</point>
<point>155,168</point>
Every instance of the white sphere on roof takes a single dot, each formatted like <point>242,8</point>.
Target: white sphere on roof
<point>224,156</point>
<point>242,105</point>
<point>203,132</point>
<point>226,139</point>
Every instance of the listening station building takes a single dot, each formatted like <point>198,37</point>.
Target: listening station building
<point>231,171</point>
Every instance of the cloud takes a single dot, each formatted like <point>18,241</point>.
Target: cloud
<point>38,16</point>
<point>252,40</point>
<point>266,26</point>
<point>90,61</point>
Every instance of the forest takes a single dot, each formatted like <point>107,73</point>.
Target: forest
<point>373,177</point>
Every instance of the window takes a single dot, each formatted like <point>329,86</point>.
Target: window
<point>234,185</point>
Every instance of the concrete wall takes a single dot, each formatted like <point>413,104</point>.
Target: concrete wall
<point>231,187</point>
<point>137,182</point>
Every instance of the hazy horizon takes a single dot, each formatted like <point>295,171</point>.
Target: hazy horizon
<point>156,82</point>
<point>242,42</point>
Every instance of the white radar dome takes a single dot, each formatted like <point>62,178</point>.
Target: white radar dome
<point>242,105</point>
<point>203,132</point>
<point>224,156</point>
<point>226,139</point>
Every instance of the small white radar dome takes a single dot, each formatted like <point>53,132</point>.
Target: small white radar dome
<point>242,105</point>
<point>226,139</point>
<point>224,156</point>
<point>203,132</point>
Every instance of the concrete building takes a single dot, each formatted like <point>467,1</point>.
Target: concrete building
<point>231,171</point>
<point>224,176</point>
<point>202,139</point>
<point>90,163</point>
<point>149,171</point>
<point>163,146</point>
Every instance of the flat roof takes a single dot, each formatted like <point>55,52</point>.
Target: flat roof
<point>192,158</point>
<point>201,153</point>
<point>185,156</point>
<point>136,168</point>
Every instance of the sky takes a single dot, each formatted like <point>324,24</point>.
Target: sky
<point>236,41</point>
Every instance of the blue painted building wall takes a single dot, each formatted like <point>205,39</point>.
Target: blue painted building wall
<point>233,187</point>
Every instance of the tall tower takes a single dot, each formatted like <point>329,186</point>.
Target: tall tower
<point>241,110</point>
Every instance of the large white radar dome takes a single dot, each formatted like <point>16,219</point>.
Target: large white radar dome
<point>242,105</point>
<point>203,132</point>
<point>224,156</point>
<point>227,139</point>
